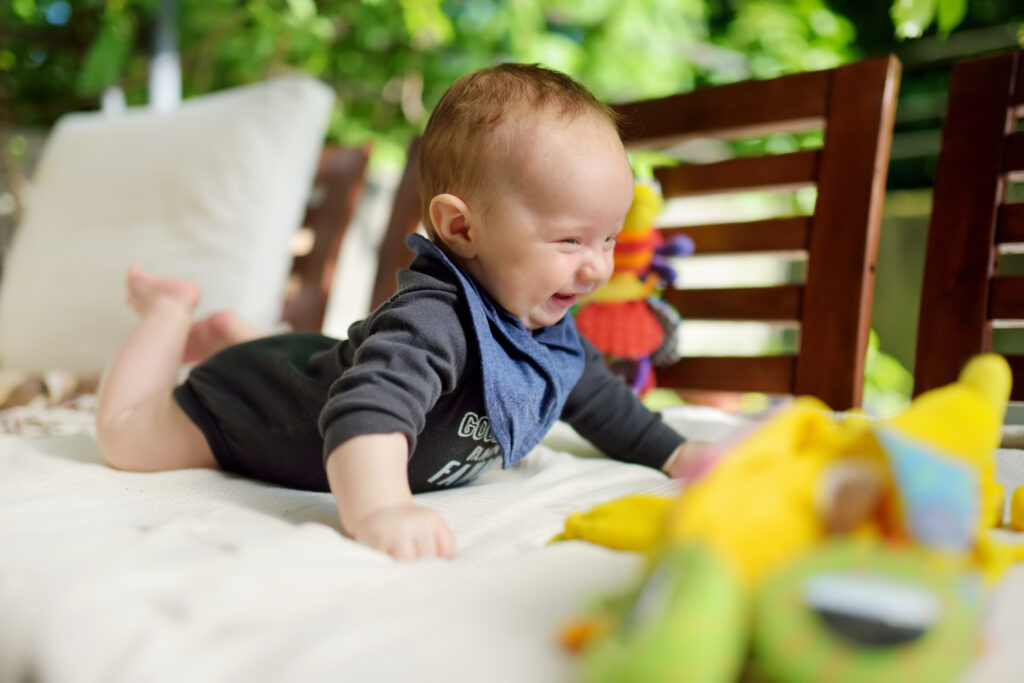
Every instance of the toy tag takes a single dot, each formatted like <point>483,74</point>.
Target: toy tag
<point>939,493</point>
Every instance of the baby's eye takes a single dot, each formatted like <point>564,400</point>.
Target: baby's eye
<point>611,240</point>
<point>570,240</point>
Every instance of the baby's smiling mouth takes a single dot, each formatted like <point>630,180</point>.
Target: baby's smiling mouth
<point>565,299</point>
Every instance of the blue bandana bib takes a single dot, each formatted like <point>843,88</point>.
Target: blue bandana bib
<point>527,377</point>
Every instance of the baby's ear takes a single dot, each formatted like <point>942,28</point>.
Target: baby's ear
<point>453,223</point>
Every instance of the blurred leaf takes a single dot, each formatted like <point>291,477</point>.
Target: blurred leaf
<point>951,14</point>
<point>302,10</point>
<point>427,25</point>
<point>24,9</point>
<point>912,17</point>
<point>106,58</point>
<point>887,384</point>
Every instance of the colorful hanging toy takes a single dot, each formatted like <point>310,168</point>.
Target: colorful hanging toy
<point>626,319</point>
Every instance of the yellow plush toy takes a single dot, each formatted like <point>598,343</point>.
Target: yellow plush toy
<point>808,473</point>
<point>808,501</point>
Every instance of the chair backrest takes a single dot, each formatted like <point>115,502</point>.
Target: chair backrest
<point>337,187</point>
<point>854,106</point>
<point>963,295</point>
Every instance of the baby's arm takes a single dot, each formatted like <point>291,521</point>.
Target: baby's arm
<point>689,460</point>
<point>605,411</point>
<point>368,478</point>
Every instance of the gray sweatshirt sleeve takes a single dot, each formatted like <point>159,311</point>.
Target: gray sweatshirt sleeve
<point>407,354</point>
<point>606,412</point>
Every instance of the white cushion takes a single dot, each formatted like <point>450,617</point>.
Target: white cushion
<point>212,192</point>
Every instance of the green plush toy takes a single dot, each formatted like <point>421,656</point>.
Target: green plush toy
<point>687,621</point>
<point>849,612</point>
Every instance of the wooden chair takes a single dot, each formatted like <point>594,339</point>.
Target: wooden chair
<point>855,105</point>
<point>964,296</point>
<point>336,190</point>
<point>405,218</point>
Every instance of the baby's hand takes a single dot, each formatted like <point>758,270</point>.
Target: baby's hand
<point>691,460</point>
<point>406,532</point>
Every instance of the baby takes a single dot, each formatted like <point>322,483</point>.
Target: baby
<point>524,184</point>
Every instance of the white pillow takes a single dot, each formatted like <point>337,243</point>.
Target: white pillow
<point>212,191</point>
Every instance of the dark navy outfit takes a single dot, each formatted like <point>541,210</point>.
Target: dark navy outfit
<point>463,379</point>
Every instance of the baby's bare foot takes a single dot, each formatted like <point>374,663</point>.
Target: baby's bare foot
<point>146,290</point>
<point>217,331</point>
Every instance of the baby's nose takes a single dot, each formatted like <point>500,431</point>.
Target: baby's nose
<point>597,267</point>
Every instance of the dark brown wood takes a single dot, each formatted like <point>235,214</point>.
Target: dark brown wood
<point>768,374</point>
<point>1010,224</point>
<point>1016,363</point>
<point>961,252</point>
<point>1013,161</point>
<point>775,172</point>
<point>336,190</point>
<point>1018,90</point>
<point>1006,298</point>
<point>748,109</point>
<point>774,234</point>
<point>844,234</point>
<point>766,304</point>
<point>405,217</point>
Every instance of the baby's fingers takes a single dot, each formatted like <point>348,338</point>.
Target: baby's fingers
<point>445,543</point>
<point>404,549</point>
<point>436,542</point>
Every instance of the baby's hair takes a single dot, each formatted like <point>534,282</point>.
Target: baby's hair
<point>460,135</point>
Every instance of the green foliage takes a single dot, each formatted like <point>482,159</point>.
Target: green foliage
<point>780,38</point>
<point>390,60</point>
<point>887,384</point>
<point>23,9</point>
<point>912,17</point>
<point>106,58</point>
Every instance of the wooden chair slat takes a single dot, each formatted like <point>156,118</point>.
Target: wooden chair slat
<point>768,374</point>
<point>1006,298</point>
<point>836,313</point>
<point>1018,90</point>
<point>1013,161</point>
<point>770,235</point>
<point>337,187</point>
<point>776,172</point>
<point>769,304</point>
<point>737,110</point>
<point>1016,363</point>
<point>1010,224</point>
<point>961,253</point>
<point>404,219</point>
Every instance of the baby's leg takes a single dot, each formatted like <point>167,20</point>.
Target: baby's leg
<point>215,332</point>
<point>139,425</point>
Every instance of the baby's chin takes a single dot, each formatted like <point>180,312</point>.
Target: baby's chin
<point>535,321</point>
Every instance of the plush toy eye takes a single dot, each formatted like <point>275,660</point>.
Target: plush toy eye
<point>871,610</point>
<point>855,611</point>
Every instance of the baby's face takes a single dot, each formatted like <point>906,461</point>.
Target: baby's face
<point>548,235</point>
